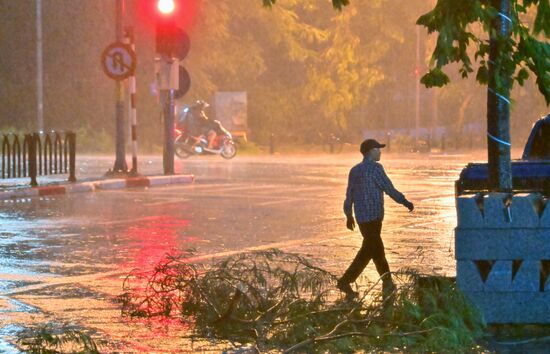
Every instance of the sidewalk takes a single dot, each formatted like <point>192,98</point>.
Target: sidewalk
<point>57,188</point>
<point>91,176</point>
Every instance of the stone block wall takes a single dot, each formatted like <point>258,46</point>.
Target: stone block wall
<point>502,246</point>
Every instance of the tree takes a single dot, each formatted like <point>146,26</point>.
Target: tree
<point>511,50</point>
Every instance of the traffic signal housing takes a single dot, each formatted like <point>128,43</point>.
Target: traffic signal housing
<point>171,40</point>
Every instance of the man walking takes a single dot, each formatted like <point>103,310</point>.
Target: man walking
<point>366,185</point>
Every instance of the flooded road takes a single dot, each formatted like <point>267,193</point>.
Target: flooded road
<point>63,258</point>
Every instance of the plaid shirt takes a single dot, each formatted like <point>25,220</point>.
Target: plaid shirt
<point>366,184</point>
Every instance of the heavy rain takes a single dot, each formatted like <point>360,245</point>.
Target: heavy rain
<point>98,97</point>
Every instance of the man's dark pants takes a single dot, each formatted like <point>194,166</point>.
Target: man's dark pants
<point>372,248</point>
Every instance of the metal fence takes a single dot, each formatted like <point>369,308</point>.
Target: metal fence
<point>38,154</point>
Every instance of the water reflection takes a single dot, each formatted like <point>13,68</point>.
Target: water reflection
<point>295,206</point>
<point>9,331</point>
<point>150,241</point>
<point>152,238</point>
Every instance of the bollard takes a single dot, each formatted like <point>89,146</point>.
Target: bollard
<point>272,143</point>
<point>443,142</point>
<point>388,140</point>
<point>32,138</point>
<point>72,155</point>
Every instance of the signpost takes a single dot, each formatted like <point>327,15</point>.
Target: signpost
<point>118,61</point>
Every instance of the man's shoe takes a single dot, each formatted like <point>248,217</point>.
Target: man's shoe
<point>388,287</point>
<point>346,288</point>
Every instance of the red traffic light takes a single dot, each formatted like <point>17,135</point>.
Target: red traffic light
<point>166,7</point>
<point>172,41</point>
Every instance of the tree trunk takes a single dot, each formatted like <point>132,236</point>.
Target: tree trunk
<point>498,102</point>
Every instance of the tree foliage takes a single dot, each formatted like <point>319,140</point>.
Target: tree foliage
<point>456,21</point>
<point>305,67</point>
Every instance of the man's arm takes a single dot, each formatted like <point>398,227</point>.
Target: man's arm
<point>384,182</point>
<point>348,203</point>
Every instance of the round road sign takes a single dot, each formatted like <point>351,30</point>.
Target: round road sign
<point>118,61</point>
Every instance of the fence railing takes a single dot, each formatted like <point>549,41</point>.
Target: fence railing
<point>38,154</point>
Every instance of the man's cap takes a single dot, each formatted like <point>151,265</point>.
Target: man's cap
<point>370,144</point>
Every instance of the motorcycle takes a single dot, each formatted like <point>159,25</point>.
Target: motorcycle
<point>186,145</point>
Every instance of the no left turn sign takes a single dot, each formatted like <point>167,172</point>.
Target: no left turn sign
<point>118,61</point>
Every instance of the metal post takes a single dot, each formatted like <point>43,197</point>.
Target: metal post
<point>271,143</point>
<point>72,156</point>
<point>39,69</point>
<point>133,111</point>
<point>120,161</point>
<point>498,103</point>
<point>33,138</point>
<point>168,113</point>
<point>167,72</point>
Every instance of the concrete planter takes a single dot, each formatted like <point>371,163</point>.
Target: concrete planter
<point>502,247</point>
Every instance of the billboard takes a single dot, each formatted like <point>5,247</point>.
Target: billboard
<point>231,110</point>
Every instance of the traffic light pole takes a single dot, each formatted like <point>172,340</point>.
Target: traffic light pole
<point>169,111</point>
<point>172,45</point>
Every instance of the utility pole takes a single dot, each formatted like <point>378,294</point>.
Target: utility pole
<point>39,69</point>
<point>417,98</point>
<point>498,102</point>
<point>120,161</point>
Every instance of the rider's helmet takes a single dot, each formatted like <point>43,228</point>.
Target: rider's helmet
<point>200,104</point>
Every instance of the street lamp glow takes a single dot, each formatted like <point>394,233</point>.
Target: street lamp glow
<point>166,6</point>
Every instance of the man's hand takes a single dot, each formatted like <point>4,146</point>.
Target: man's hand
<point>350,223</point>
<point>409,205</point>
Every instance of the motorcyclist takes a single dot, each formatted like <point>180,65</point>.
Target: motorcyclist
<point>197,123</point>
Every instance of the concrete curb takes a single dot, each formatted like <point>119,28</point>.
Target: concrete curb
<point>119,183</point>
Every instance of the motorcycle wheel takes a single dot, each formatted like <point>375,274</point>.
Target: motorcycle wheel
<point>229,150</point>
<point>180,149</point>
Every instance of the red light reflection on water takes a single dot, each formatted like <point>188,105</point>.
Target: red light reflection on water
<point>154,237</point>
<point>151,240</point>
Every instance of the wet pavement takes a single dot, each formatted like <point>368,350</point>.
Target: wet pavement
<point>63,258</point>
